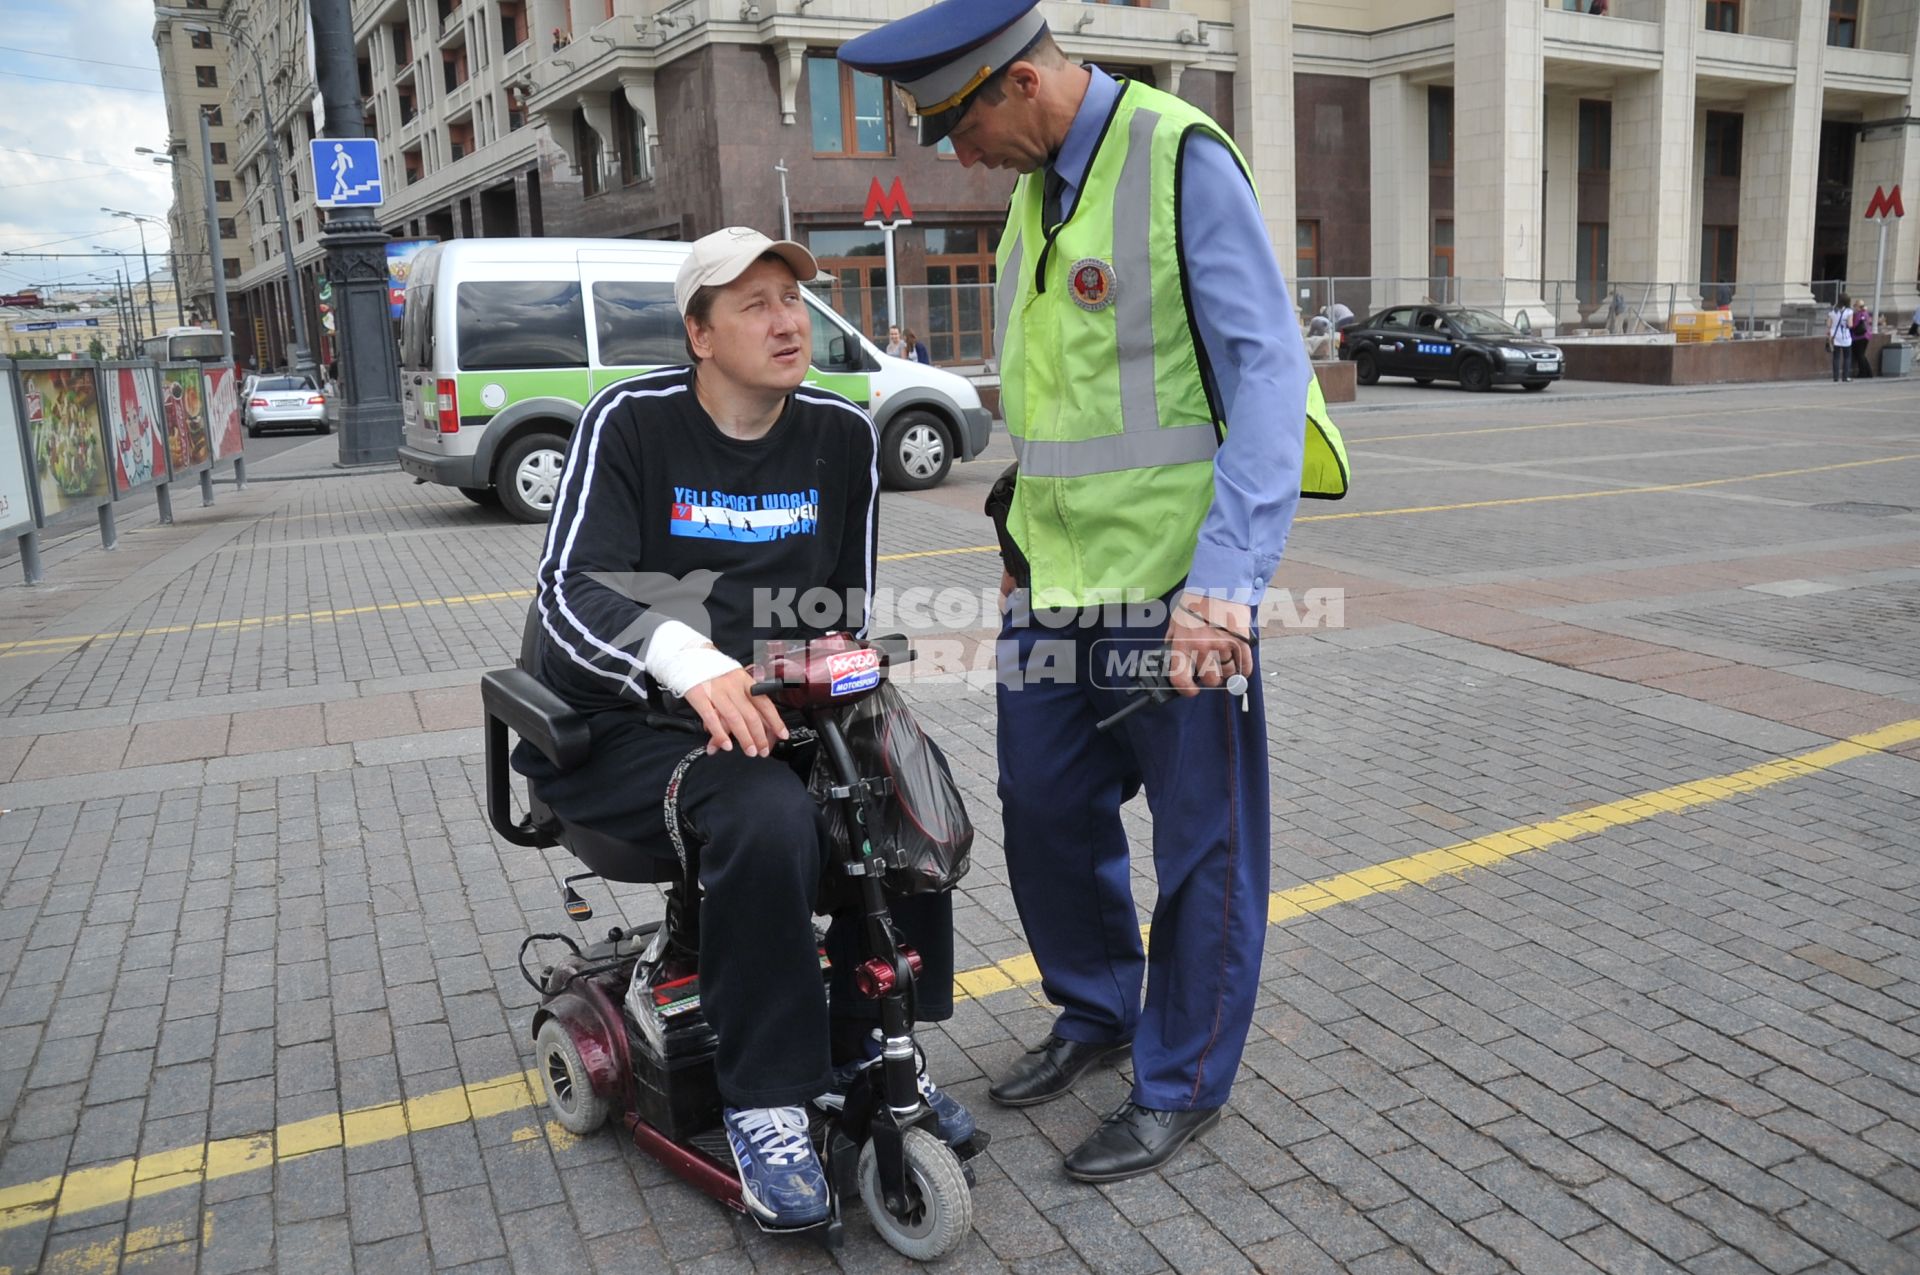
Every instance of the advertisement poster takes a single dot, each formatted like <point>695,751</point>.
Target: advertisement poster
<point>400,254</point>
<point>223,411</point>
<point>133,427</point>
<point>63,424</point>
<point>16,507</point>
<point>186,415</point>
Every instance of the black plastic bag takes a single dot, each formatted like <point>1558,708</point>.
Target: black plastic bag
<point>921,825</point>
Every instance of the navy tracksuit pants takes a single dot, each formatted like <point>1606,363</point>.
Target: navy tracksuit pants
<point>1203,764</point>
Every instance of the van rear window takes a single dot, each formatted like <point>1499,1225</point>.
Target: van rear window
<point>521,325</point>
<point>638,325</point>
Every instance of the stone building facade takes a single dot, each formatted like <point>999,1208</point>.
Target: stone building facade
<point>1523,154</point>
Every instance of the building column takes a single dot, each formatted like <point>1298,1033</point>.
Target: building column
<point>1400,188</point>
<point>1562,209</point>
<point>1654,229</point>
<point>1886,157</point>
<point>1780,173</point>
<point>1498,102</point>
<point>1263,111</point>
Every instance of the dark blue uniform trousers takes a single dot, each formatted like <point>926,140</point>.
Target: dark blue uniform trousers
<point>1203,763</point>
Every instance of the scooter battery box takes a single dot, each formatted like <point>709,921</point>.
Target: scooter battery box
<point>673,1059</point>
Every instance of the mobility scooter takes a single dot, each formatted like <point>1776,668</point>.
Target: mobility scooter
<point>598,1056</point>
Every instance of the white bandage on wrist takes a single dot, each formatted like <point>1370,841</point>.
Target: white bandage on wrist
<point>679,658</point>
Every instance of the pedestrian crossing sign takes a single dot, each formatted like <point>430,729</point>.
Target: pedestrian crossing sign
<point>346,172</point>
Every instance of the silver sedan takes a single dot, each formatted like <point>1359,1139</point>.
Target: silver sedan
<point>284,402</point>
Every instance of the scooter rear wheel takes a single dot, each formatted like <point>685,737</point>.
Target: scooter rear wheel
<point>570,1094</point>
<point>944,1213</point>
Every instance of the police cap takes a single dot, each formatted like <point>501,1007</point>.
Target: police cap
<point>939,57</point>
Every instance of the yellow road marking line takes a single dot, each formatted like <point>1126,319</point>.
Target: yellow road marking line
<point>112,1184</point>
<point>1608,491</point>
<point>26,646</point>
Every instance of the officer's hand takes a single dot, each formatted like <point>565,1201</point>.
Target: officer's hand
<point>1006,587</point>
<point>1209,641</point>
<point>731,712</point>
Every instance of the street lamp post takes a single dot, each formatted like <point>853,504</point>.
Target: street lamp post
<point>124,309</point>
<point>302,357</point>
<point>146,268</point>
<point>179,283</point>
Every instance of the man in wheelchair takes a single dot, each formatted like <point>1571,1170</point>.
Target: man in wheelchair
<point>727,478</point>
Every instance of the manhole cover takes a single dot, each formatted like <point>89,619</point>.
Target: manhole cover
<point>1863,509</point>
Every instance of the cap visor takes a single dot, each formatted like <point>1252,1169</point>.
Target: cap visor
<point>798,259</point>
<point>934,128</point>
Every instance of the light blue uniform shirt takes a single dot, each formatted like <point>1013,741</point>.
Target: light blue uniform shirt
<point>1250,331</point>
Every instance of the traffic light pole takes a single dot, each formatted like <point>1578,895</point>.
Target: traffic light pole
<point>356,265</point>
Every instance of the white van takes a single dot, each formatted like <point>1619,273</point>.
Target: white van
<point>503,341</point>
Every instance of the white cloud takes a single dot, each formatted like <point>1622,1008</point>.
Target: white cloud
<point>68,147</point>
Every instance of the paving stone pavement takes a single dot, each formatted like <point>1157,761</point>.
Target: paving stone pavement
<point>1623,692</point>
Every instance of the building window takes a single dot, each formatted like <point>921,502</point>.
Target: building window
<point>201,39</point>
<point>213,117</point>
<point>223,192</point>
<point>1590,263</point>
<point>513,25</point>
<point>586,154</point>
<point>1596,136</point>
<point>411,162</point>
<point>1442,274</point>
<point>230,266</point>
<point>1723,15</point>
<point>460,139</point>
<point>1723,144</point>
<point>850,115</point>
<point>629,141</point>
<point>219,150</point>
<point>857,261</point>
<point>960,278</point>
<point>227,229</point>
<point>516,110</point>
<point>1719,247</point>
<point>1306,250</point>
<point>1440,128</point>
<point>1843,24</point>
<point>206,77</point>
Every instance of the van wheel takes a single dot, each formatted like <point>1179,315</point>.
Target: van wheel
<point>528,476</point>
<point>484,496</point>
<point>915,453</point>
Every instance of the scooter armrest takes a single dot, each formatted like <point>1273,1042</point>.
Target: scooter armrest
<point>534,713</point>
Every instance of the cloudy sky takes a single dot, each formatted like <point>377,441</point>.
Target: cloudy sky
<point>81,87</point>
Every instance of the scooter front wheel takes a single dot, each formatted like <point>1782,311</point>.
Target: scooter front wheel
<point>943,1205</point>
<point>570,1094</point>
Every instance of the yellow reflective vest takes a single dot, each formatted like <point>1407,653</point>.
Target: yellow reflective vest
<point>1112,418</point>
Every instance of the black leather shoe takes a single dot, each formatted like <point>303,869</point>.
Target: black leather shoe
<point>1050,1068</point>
<point>1136,1140</point>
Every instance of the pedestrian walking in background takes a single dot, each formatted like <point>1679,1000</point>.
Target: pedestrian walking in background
<point>1840,339</point>
<point>916,348</point>
<point>1863,328</point>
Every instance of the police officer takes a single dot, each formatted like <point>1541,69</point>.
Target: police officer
<point>1154,384</point>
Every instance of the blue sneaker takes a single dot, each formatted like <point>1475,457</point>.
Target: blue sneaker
<point>781,1180</point>
<point>955,1122</point>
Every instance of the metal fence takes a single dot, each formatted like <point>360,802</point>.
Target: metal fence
<point>1570,307</point>
<point>955,321</point>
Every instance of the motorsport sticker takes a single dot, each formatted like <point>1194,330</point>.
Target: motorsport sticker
<point>850,672</point>
<point>1092,281</point>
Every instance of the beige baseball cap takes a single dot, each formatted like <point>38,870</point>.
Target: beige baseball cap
<point>723,256</point>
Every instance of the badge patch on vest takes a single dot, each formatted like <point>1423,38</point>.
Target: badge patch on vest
<point>1092,281</point>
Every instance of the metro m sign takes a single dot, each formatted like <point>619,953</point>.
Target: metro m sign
<point>1882,205</point>
<point>891,204</point>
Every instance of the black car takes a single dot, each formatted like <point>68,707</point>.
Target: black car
<point>1448,343</point>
